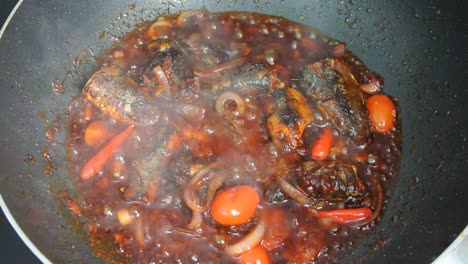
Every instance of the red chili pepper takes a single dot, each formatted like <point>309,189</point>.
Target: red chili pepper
<point>345,215</point>
<point>323,144</point>
<point>99,159</point>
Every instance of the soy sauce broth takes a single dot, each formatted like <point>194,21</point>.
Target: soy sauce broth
<point>207,85</point>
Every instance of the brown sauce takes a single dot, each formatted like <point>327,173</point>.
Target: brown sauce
<point>234,99</point>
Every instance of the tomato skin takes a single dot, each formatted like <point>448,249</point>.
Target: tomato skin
<point>257,255</point>
<point>235,205</point>
<point>382,112</point>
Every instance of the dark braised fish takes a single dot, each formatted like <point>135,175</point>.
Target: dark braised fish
<point>119,96</point>
<point>291,117</point>
<point>337,96</point>
<point>250,75</point>
<point>333,181</point>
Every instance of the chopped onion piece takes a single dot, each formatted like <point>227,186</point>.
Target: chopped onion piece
<point>226,97</point>
<point>248,242</point>
<point>293,192</point>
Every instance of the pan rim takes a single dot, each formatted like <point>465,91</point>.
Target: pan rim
<point>10,16</point>
<point>21,233</point>
<point>452,254</point>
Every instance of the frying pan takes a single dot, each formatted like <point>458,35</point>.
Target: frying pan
<point>418,46</point>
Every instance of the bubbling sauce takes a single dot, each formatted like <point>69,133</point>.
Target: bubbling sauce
<point>230,137</point>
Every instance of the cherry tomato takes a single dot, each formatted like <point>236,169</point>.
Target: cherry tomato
<point>257,255</point>
<point>382,112</point>
<point>235,206</point>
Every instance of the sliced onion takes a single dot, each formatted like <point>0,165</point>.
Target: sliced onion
<point>160,75</point>
<point>372,87</point>
<point>159,29</point>
<point>213,187</point>
<point>185,16</point>
<point>191,197</point>
<point>159,45</point>
<point>217,69</point>
<point>295,194</point>
<point>345,72</point>
<point>196,220</point>
<point>230,96</point>
<point>339,50</point>
<point>250,241</point>
<point>190,232</point>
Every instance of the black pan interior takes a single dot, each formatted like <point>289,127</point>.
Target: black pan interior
<point>418,46</point>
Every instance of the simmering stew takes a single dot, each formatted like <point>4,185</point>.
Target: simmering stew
<point>230,137</point>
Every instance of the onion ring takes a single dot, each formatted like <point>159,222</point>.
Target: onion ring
<point>296,194</point>
<point>162,79</point>
<point>250,241</point>
<point>213,187</point>
<point>159,30</point>
<point>190,196</point>
<point>230,96</point>
<point>183,18</point>
<point>339,50</point>
<point>196,220</point>
<point>217,69</point>
<point>372,87</point>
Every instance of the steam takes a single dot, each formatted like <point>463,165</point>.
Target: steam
<point>189,80</point>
